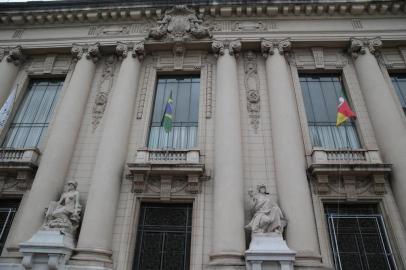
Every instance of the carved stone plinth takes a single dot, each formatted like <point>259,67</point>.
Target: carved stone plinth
<point>47,250</point>
<point>268,251</point>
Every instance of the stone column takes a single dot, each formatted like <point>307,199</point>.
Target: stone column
<point>10,60</point>
<point>96,235</point>
<point>290,163</point>
<point>50,178</point>
<point>228,218</point>
<point>388,123</point>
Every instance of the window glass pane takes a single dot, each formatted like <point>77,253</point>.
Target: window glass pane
<point>33,114</point>
<point>399,82</point>
<point>358,237</point>
<point>320,96</point>
<point>185,95</point>
<point>163,237</point>
<point>8,208</point>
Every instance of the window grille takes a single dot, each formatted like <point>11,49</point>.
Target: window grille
<point>31,120</point>
<point>163,237</point>
<point>185,95</point>
<point>359,239</point>
<point>399,82</point>
<point>8,208</point>
<point>320,95</point>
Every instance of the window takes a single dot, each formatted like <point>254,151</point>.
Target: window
<point>399,82</point>
<point>32,118</point>
<point>185,95</point>
<point>8,208</point>
<point>163,237</point>
<point>358,238</point>
<point>320,95</point>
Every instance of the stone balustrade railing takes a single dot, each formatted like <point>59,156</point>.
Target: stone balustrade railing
<point>345,156</point>
<point>167,156</point>
<point>15,155</point>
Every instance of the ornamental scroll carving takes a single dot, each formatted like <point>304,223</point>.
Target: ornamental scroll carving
<point>251,81</point>
<point>179,24</point>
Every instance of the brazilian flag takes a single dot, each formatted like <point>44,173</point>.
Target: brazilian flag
<point>168,115</point>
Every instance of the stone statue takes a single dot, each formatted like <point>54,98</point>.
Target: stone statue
<point>64,215</point>
<point>267,216</point>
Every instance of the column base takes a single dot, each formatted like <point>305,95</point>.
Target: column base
<point>227,259</point>
<point>92,257</point>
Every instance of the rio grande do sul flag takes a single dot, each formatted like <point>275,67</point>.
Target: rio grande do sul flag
<point>344,112</point>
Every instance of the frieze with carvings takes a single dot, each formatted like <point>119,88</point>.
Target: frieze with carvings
<point>12,184</point>
<point>352,187</point>
<point>179,24</point>
<point>249,26</point>
<point>251,81</point>
<point>109,30</point>
<point>104,88</point>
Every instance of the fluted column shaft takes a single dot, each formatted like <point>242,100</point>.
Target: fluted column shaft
<point>228,218</point>
<point>9,65</point>
<point>50,177</point>
<point>96,235</point>
<point>290,164</point>
<point>387,120</point>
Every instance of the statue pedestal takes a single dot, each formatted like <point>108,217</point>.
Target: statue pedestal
<point>47,250</point>
<point>268,251</point>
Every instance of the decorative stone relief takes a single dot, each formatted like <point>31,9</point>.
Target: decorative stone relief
<point>16,56</point>
<point>179,24</point>
<point>49,63</point>
<point>91,52</point>
<point>178,55</point>
<point>166,185</point>
<point>356,24</point>
<point>148,73</point>
<point>13,184</point>
<point>318,57</point>
<point>246,26</point>
<point>104,88</point>
<point>251,81</point>
<point>358,46</point>
<point>350,186</point>
<point>64,215</point>
<point>209,88</point>
<point>267,217</point>
<point>234,47</point>
<point>109,30</point>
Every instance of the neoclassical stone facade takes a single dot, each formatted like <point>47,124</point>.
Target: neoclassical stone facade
<point>255,90</point>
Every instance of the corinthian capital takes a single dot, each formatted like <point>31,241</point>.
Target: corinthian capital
<point>139,50</point>
<point>374,45</point>
<point>234,48</point>
<point>91,51</point>
<point>268,46</point>
<point>217,48</point>
<point>15,55</point>
<point>359,46</point>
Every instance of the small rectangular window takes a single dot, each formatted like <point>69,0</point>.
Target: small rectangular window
<point>8,208</point>
<point>320,95</point>
<point>31,120</point>
<point>185,95</point>
<point>399,82</point>
<point>358,237</point>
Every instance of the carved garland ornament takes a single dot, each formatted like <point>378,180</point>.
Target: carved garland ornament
<point>251,81</point>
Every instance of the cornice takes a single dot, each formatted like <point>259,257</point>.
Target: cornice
<point>65,15</point>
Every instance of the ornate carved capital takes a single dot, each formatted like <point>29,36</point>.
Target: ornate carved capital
<point>91,52</point>
<point>2,53</point>
<point>16,56</point>
<point>218,48</point>
<point>374,45</point>
<point>122,49</point>
<point>234,48</point>
<point>268,46</point>
<point>139,50</point>
<point>359,46</point>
